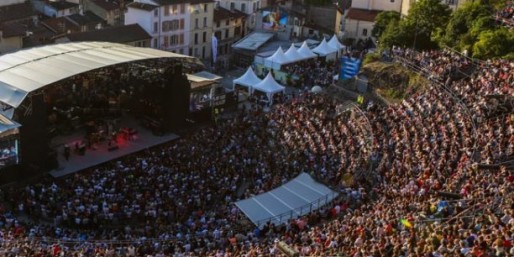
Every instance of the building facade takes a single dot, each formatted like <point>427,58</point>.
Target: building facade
<point>250,7</point>
<point>168,24</point>
<point>228,28</point>
<point>201,20</point>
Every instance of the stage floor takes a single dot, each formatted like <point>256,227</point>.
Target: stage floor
<point>145,139</point>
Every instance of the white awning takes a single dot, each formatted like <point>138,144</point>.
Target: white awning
<point>277,59</point>
<point>28,70</point>
<point>296,198</point>
<point>7,124</point>
<point>334,43</point>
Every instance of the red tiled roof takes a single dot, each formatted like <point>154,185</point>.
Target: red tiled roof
<point>107,5</point>
<point>121,34</point>
<point>60,25</point>
<point>13,30</point>
<point>16,12</point>
<point>362,14</point>
<point>221,13</point>
<point>142,6</point>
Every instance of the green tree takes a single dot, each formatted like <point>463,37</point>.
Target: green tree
<point>382,20</point>
<point>494,43</point>
<point>464,25</point>
<point>425,18</point>
<point>393,35</point>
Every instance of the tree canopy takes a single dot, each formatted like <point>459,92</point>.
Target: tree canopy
<point>431,24</point>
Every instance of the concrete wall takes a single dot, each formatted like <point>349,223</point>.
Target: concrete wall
<point>323,16</point>
<point>354,29</point>
<point>10,44</point>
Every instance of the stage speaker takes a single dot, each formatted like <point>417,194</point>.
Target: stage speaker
<point>113,148</point>
<point>34,139</point>
<point>175,99</point>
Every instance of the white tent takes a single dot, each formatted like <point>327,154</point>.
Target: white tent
<point>334,43</point>
<point>292,54</point>
<point>269,86</point>
<point>276,60</point>
<point>305,51</point>
<point>249,79</point>
<point>323,49</point>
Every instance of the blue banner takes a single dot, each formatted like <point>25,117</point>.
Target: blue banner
<point>349,67</point>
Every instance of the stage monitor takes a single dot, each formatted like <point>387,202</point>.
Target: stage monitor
<point>9,142</point>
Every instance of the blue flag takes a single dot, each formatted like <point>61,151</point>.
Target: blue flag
<point>349,67</point>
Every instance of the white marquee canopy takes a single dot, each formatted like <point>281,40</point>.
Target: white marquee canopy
<point>323,49</point>
<point>292,54</point>
<point>334,43</point>
<point>28,70</point>
<point>277,59</point>
<point>249,79</point>
<point>306,52</point>
<point>269,86</point>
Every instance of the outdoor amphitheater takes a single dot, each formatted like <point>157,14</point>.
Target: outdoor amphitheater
<point>312,175</point>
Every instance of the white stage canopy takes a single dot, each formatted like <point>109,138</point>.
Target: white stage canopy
<point>323,49</point>
<point>269,86</point>
<point>277,59</point>
<point>296,198</point>
<point>292,54</point>
<point>249,79</point>
<point>28,70</point>
<point>306,52</point>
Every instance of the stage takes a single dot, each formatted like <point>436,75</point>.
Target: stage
<point>99,152</point>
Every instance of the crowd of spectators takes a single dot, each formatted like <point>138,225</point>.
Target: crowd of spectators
<point>505,16</point>
<point>440,188</point>
<point>313,72</point>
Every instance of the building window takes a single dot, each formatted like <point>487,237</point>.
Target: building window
<point>181,23</point>
<point>174,40</point>
<point>217,34</point>
<point>203,52</point>
<point>226,33</point>
<point>243,7</point>
<point>217,24</point>
<point>392,1</point>
<point>232,6</point>
<point>155,27</point>
<point>196,23</point>
<point>181,51</point>
<point>167,10</point>
<point>364,32</point>
<point>175,9</point>
<point>190,51</point>
<point>237,31</point>
<point>196,52</point>
<point>204,22</point>
<point>227,22</point>
<point>196,38</point>
<point>205,8</point>
<point>181,39</point>
<point>155,43</point>
<point>204,36</point>
<point>170,25</point>
<point>182,8</point>
<point>156,12</point>
<point>166,42</point>
<point>254,6</point>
